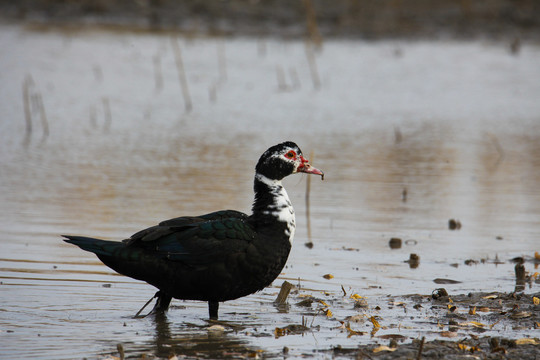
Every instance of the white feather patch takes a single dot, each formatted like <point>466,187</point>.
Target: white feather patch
<point>282,207</point>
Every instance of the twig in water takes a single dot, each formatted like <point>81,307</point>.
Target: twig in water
<point>222,61</point>
<point>181,74</point>
<point>27,83</point>
<point>93,116</point>
<point>397,135</point>
<point>261,48</point>
<point>313,29</point>
<point>294,78</point>
<point>107,112</point>
<point>144,306</point>
<point>212,93</point>
<point>419,356</point>
<point>498,148</point>
<point>44,122</point>
<point>98,72</point>
<point>310,54</point>
<point>282,84</point>
<point>158,75</point>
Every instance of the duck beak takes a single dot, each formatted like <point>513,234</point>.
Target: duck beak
<point>305,167</point>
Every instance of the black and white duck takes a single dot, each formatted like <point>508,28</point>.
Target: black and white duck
<point>219,256</point>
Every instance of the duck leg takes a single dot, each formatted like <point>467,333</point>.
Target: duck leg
<point>213,307</point>
<point>162,303</point>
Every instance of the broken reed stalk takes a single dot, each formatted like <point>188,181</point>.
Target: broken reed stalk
<point>310,54</point>
<point>520,277</point>
<point>421,348</point>
<point>283,293</point>
<point>93,116</point>
<point>313,29</point>
<point>282,85</point>
<point>181,74</point>
<point>498,148</point>
<point>107,113</point>
<point>27,83</point>
<point>212,93</point>
<point>121,352</point>
<point>294,78</point>
<point>158,75</point>
<point>261,47</point>
<point>43,115</point>
<point>222,61</point>
<point>98,72</point>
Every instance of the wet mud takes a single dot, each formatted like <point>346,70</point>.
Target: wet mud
<point>475,325</point>
<point>467,329</point>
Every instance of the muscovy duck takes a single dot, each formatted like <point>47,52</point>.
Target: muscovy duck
<point>219,256</point>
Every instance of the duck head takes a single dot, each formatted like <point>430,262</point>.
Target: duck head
<point>284,159</point>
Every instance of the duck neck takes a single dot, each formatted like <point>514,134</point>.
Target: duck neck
<point>272,208</point>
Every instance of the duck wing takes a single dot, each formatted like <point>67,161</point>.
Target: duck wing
<point>196,240</point>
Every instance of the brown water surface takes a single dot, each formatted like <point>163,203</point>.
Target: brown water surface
<point>409,134</point>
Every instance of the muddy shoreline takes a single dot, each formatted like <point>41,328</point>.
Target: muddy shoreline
<point>454,327</point>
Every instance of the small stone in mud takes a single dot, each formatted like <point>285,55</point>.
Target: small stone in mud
<point>439,293</point>
<point>446,281</point>
<point>360,303</point>
<point>520,315</point>
<point>216,329</point>
<point>305,303</point>
<point>414,261</point>
<point>454,224</point>
<point>395,243</point>
<point>511,343</point>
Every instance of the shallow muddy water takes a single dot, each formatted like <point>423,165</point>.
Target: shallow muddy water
<point>409,134</point>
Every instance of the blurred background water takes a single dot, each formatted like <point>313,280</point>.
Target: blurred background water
<point>105,132</point>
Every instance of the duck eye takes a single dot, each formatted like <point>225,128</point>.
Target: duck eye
<point>291,154</point>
